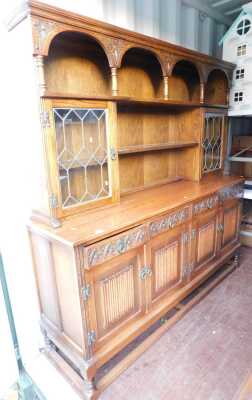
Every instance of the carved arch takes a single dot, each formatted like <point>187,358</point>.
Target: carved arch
<point>44,32</point>
<point>196,65</point>
<point>156,55</point>
<point>212,68</point>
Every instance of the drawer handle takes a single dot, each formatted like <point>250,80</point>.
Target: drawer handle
<point>145,271</point>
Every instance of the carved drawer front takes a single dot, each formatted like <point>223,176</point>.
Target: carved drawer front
<point>107,249</point>
<point>208,203</point>
<point>116,298</point>
<point>231,222</point>
<point>169,221</point>
<point>232,192</point>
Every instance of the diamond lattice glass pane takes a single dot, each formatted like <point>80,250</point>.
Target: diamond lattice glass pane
<point>211,143</point>
<point>82,154</point>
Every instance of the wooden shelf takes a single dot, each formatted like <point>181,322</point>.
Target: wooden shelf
<point>155,147</point>
<point>158,183</point>
<point>132,100</point>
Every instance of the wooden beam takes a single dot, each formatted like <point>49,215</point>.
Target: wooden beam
<point>220,3</point>
<point>233,11</point>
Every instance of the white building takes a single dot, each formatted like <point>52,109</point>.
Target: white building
<point>237,48</point>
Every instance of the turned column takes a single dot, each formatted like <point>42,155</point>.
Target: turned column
<point>166,87</point>
<point>41,74</point>
<point>202,92</point>
<point>114,81</point>
<point>228,95</point>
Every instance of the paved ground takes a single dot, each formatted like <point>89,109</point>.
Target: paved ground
<point>206,356</point>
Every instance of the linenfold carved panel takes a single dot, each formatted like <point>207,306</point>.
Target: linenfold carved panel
<point>206,242</point>
<point>119,286</point>
<point>107,249</point>
<point>230,224</point>
<point>169,221</point>
<point>166,261</point>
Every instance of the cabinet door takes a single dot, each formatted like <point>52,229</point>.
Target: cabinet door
<point>83,164</point>
<point>204,242</point>
<point>166,256</point>
<point>213,141</point>
<point>117,298</point>
<point>230,223</point>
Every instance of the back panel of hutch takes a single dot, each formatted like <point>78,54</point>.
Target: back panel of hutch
<point>136,211</point>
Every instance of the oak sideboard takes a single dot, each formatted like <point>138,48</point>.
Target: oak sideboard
<point>134,210</point>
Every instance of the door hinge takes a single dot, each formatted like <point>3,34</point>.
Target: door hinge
<point>86,291</point>
<point>145,271</point>
<point>45,119</point>
<point>193,234</point>
<point>53,201</point>
<point>113,153</point>
<point>185,237</point>
<point>91,338</point>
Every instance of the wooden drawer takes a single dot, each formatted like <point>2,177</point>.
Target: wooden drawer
<point>232,192</point>
<point>169,221</point>
<point>107,249</point>
<point>205,204</point>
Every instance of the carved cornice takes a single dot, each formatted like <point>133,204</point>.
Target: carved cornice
<point>67,21</point>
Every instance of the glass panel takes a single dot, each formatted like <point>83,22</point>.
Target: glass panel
<point>212,142</point>
<point>82,154</point>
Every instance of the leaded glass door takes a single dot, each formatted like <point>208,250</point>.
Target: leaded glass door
<point>84,152</point>
<point>212,142</point>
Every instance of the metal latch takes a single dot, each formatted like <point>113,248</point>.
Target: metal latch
<point>86,291</point>
<point>53,201</point>
<point>91,336</point>
<point>113,153</point>
<point>145,271</point>
<point>45,119</point>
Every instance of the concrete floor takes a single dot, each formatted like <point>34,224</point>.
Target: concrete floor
<point>207,355</point>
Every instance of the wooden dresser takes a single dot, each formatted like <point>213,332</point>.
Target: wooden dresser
<point>136,211</point>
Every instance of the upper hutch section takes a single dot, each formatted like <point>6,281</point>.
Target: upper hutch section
<point>121,112</point>
<point>119,63</point>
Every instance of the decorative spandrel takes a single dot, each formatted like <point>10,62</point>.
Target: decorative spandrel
<point>212,142</point>
<point>82,154</point>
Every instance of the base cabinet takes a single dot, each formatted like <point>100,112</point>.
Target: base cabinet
<point>128,281</point>
<point>117,296</point>
<point>167,255</point>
